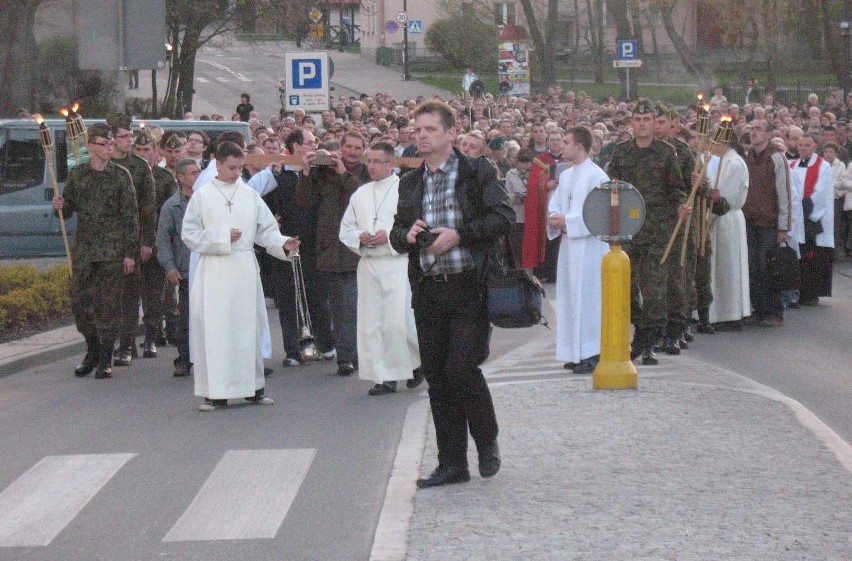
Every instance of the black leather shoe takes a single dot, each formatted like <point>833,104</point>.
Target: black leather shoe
<point>345,369</point>
<point>149,349</point>
<point>649,358</point>
<point>383,389</point>
<point>706,329</point>
<point>687,336</point>
<point>683,344</point>
<point>416,381</point>
<point>583,367</point>
<point>489,460</point>
<point>445,475</point>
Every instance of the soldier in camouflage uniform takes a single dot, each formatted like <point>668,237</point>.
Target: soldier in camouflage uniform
<point>152,274</point>
<point>105,245</point>
<point>143,183</point>
<point>652,167</point>
<point>680,277</point>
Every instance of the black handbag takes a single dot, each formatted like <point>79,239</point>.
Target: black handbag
<point>782,264</point>
<point>515,297</point>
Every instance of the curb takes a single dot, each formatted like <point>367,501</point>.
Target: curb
<point>40,349</point>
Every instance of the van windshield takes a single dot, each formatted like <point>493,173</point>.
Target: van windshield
<point>21,159</point>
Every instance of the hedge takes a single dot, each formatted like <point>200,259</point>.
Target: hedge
<point>28,295</point>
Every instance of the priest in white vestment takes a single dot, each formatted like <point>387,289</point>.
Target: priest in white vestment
<point>578,275</point>
<point>729,277</point>
<point>387,337</point>
<point>223,221</point>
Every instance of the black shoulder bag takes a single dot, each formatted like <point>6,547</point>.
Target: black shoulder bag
<point>514,296</point>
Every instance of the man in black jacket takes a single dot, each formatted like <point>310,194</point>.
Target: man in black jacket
<point>451,211</point>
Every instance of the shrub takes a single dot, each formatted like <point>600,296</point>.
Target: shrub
<point>464,41</point>
<point>18,276</point>
<point>29,296</point>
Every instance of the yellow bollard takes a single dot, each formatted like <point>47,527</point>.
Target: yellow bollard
<point>615,371</point>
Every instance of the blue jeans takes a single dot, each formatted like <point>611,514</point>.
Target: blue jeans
<point>765,294</point>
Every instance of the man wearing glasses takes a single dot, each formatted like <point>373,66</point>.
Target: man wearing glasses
<point>146,204</point>
<point>387,336</point>
<point>105,247</point>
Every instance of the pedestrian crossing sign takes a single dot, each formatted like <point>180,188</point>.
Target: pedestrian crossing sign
<point>415,26</point>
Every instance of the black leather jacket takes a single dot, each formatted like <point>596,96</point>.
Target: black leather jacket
<point>484,202</point>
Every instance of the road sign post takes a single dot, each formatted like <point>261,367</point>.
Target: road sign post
<point>627,57</point>
<point>402,18</point>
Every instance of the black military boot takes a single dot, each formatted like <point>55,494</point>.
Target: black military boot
<point>671,346</point>
<point>90,361</point>
<point>124,354</point>
<point>649,358</point>
<point>105,363</point>
<point>704,322</point>
<point>149,347</point>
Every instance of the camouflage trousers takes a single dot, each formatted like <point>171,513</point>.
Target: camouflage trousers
<point>648,291</point>
<point>680,285</point>
<point>129,307</point>
<point>702,297</point>
<point>151,292</point>
<point>96,298</point>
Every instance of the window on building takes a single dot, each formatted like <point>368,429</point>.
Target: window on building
<point>504,13</point>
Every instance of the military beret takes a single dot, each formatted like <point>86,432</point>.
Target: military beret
<point>118,121</point>
<point>173,140</point>
<point>644,106</point>
<point>143,138</point>
<point>100,130</point>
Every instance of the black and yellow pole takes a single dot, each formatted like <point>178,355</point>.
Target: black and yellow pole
<point>615,370</point>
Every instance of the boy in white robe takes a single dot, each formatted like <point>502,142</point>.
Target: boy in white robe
<point>387,336</point>
<point>223,221</point>
<point>578,276</point>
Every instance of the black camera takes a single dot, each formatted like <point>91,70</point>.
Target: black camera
<point>425,238</point>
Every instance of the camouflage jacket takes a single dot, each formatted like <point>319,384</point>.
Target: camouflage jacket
<point>107,216</point>
<point>165,186</point>
<point>656,174</point>
<point>143,183</point>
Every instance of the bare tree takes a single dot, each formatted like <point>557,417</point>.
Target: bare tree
<point>17,55</point>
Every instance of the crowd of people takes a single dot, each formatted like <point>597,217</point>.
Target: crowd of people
<point>378,261</point>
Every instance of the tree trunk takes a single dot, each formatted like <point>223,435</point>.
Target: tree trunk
<point>620,11</point>
<point>18,51</point>
<point>599,41</point>
<point>687,58</point>
<point>543,43</point>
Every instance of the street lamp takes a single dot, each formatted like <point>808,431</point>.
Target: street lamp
<point>846,33</point>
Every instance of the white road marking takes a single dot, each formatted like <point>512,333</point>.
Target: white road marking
<point>40,503</point>
<point>391,539</point>
<point>202,80</point>
<point>236,75</point>
<point>221,79</point>
<point>246,497</point>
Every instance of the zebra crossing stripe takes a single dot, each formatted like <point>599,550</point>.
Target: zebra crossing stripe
<point>246,497</point>
<point>40,503</point>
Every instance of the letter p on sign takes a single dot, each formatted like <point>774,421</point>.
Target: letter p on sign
<point>307,73</point>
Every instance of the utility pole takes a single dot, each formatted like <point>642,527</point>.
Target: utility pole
<point>406,74</point>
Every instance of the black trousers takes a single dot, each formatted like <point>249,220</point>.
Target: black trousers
<point>285,298</point>
<point>453,331</point>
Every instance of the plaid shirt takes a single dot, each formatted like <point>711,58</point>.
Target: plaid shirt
<point>441,208</point>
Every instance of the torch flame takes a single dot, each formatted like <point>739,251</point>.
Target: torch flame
<point>75,107</point>
<point>707,107</point>
<point>142,125</point>
<point>64,111</point>
<point>38,119</point>
<point>700,97</point>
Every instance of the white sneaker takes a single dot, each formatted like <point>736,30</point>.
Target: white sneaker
<point>262,400</point>
<point>292,362</point>
<point>206,406</point>
<point>329,355</point>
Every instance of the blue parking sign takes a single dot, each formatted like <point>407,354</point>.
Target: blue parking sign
<point>627,49</point>
<point>306,73</point>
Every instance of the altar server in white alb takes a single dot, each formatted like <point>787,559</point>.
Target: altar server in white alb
<point>223,221</point>
<point>387,337</point>
<point>578,274</point>
<point>729,280</point>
